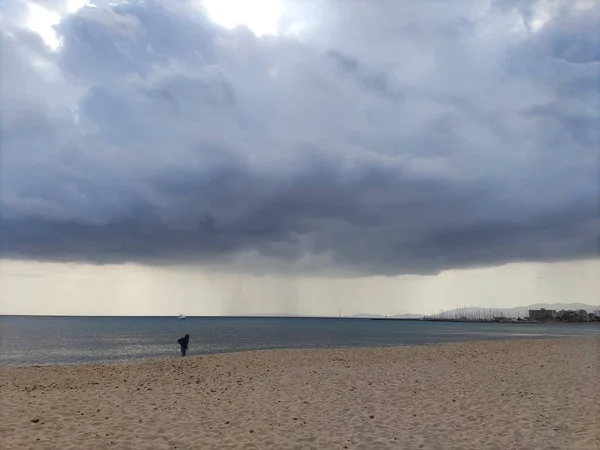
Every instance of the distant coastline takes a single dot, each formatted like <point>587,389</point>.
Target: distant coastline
<point>505,322</point>
<point>474,312</point>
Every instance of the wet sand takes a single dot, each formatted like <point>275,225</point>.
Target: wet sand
<point>526,395</point>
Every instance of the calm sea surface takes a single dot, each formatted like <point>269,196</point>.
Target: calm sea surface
<point>60,340</point>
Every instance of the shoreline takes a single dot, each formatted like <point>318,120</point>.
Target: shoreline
<point>176,356</point>
<point>522,394</point>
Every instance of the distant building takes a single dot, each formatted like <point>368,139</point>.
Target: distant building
<point>542,314</point>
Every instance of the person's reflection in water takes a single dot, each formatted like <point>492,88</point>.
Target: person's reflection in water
<point>183,343</point>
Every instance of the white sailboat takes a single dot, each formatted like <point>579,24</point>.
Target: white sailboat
<point>181,317</point>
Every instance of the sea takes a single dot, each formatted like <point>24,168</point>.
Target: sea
<point>27,340</point>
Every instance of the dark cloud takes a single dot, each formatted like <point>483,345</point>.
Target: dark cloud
<point>447,138</point>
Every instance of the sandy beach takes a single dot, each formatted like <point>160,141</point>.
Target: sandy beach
<point>481,395</point>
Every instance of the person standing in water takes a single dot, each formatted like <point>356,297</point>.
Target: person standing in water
<point>183,343</point>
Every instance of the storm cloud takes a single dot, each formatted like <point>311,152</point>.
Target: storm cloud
<point>382,138</point>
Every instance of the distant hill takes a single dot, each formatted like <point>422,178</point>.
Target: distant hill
<point>406,316</point>
<point>379,316</point>
<point>507,312</point>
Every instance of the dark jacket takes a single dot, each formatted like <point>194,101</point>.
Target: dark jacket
<point>184,341</point>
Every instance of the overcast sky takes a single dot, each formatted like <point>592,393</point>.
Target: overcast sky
<point>298,157</point>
